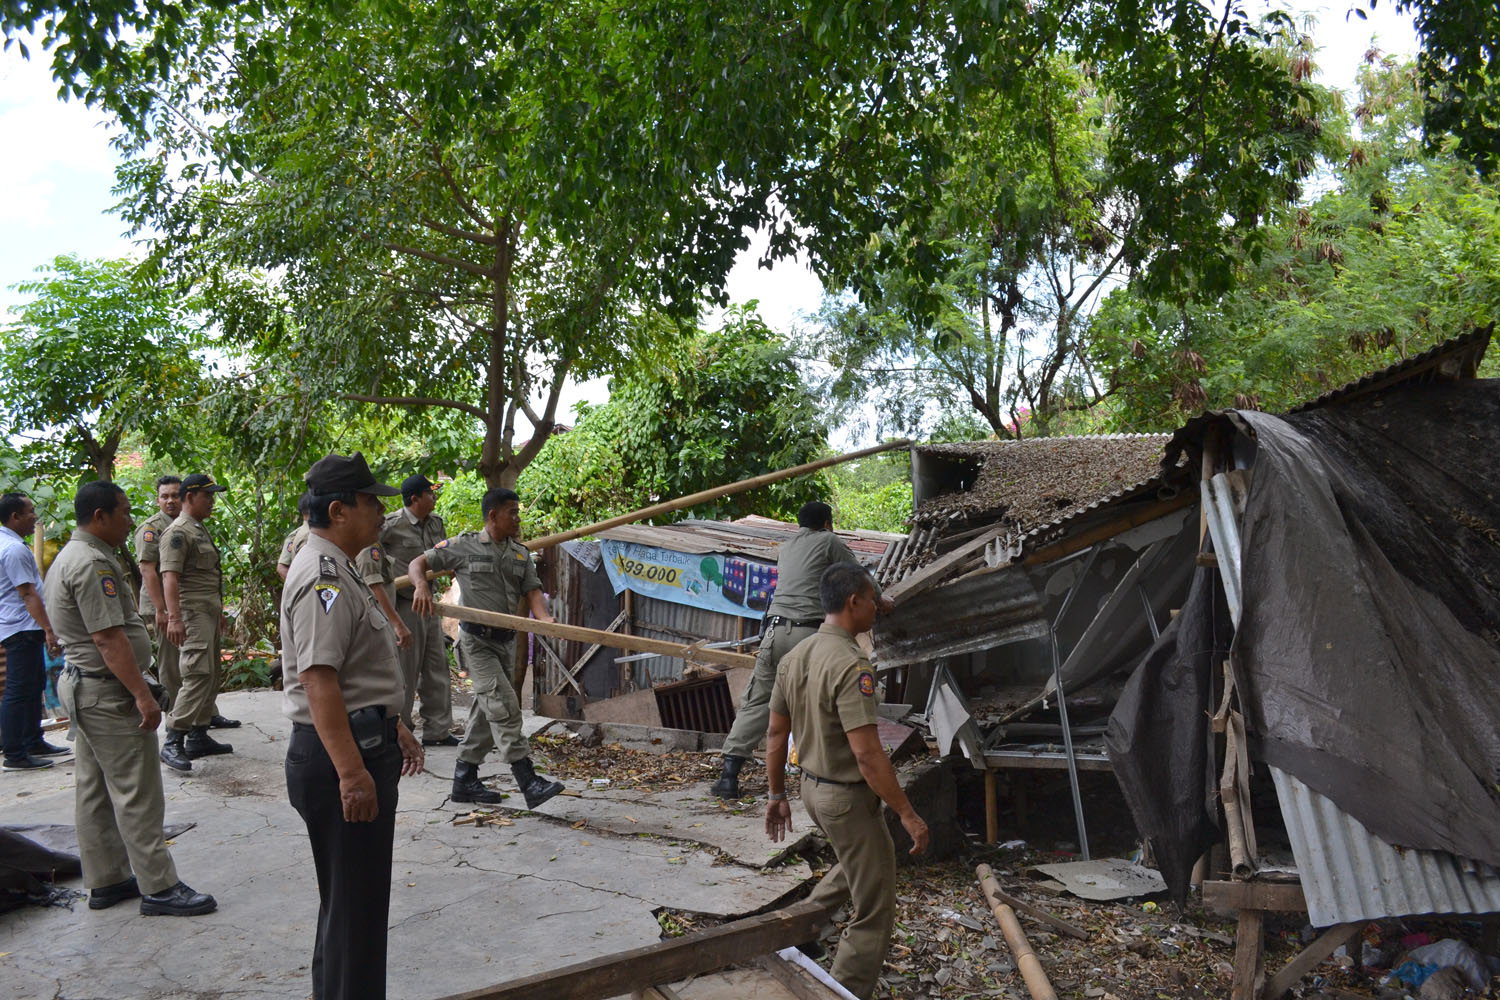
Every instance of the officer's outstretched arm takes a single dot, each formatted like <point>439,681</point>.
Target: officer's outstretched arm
<point>538,603</point>
<point>421,592</point>
<point>878,773</point>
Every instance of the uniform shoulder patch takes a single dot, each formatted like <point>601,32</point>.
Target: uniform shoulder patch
<point>867,683</point>
<point>375,552</point>
<point>327,594</point>
<point>111,589</point>
<point>443,544</point>
<point>328,569</point>
<point>177,540</point>
<point>149,535</point>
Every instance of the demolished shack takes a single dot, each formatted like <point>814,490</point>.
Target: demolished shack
<point>694,581</point>
<point>1032,563</point>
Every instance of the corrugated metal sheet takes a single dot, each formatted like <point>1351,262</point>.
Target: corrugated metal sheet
<point>757,537</point>
<point>1456,358</point>
<point>1349,874</point>
<point>973,613</point>
<point>657,619</point>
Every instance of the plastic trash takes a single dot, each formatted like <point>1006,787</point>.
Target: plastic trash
<point>1459,954</point>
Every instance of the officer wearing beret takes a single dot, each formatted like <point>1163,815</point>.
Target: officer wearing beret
<point>494,572</point>
<point>114,716</point>
<point>153,606</point>
<point>825,695</point>
<point>348,747</point>
<point>193,589</point>
<point>408,533</point>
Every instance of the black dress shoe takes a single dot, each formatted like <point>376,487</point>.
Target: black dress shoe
<point>178,901</point>
<point>106,896</point>
<point>45,749</point>
<point>26,763</point>
<point>200,744</point>
<point>447,741</point>
<point>219,722</point>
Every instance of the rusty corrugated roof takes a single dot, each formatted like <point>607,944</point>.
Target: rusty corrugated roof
<point>754,536</point>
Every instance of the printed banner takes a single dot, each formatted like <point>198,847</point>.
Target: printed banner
<point>730,585</point>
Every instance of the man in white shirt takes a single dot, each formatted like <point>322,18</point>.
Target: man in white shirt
<point>24,631</point>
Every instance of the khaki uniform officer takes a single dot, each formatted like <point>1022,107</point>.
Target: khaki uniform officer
<point>494,572</point>
<point>114,716</point>
<point>794,615</point>
<point>348,747</point>
<point>825,695</point>
<point>408,533</point>
<point>290,546</point>
<point>153,606</point>
<point>376,568</point>
<point>192,584</point>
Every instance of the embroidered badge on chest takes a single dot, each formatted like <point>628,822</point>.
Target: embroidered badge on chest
<point>327,594</point>
<point>866,683</point>
<point>110,589</point>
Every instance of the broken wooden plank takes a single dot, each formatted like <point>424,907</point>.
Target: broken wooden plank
<point>613,640</point>
<point>934,571</point>
<point>667,961</point>
<point>992,888</point>
<point>1282,897</point>
<point>1324,945</point>
<point>1249,956</point>
<point>570,675</point>
<point>1109,529</point>
<point>796,982</point>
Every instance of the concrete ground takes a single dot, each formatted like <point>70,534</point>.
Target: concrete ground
<point>471,905</point>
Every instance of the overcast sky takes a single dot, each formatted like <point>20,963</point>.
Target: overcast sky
<point>59,169</point>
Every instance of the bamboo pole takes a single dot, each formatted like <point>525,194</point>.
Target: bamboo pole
<point>1035,912</point>
<point>1031,966</point>
<point>691,499</point>
<point>613,640</point>
<point>716,493</point>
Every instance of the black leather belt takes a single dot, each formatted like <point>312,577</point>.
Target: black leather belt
<point>488,631</point>
<point>389,726</point>
<point>106,675</point>
<point>773,620</point>
<point>829,781</point>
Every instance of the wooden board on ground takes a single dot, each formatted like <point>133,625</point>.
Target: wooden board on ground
<point>755,983</point>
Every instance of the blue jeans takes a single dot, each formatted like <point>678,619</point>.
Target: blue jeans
<point>21,706</point>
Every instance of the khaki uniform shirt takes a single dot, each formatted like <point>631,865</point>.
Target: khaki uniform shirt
<point>492,576</point>
<point>404,538</point>
<point>148,550</point>
<point>188,550</point>
<point>826,687</point>
<point>292,544</point>
<point>329,618</point>
<point>85,593</point>
<point>376,568</point>
<point>800,562</point>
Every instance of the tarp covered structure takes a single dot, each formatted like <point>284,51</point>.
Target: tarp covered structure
<point>1367,655</point>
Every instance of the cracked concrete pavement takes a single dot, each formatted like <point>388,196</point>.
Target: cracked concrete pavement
<point>470,905</point>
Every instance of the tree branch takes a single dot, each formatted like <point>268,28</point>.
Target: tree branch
<point>438,258</point>
<point>451,404</point>
<point>462,234</point>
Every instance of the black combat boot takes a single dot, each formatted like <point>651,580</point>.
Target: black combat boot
<point>200,744</point>
<point>173,754</point>
<point>728,785</point>
<point>468,788</point>
<point>536,788</point>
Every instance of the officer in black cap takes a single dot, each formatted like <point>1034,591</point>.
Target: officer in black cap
<point>344,694</point>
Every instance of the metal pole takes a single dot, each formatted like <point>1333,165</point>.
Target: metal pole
<point>1150,615</point>
<point>1062,710</point>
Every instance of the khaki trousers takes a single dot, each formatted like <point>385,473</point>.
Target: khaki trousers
<point>849,816</point>
<point>749,729</point>
<point>495,713</point>
<point>167,655</point>
<point>117,776</point>
<point>198,664</point>
<point>424,665</point>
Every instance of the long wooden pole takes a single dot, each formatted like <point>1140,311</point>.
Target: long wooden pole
<point>691,499</point>
<point>614,640</point>
<point>1026,960</point>
<point>717,492</point>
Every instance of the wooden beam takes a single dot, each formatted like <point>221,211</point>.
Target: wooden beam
<point>1324,945</point>
<point>572,672</point>
<point>667,961</point>
<point>795,980</point>
<point>716,493</point>
<point>934,571</point>
<point>1249,956</point>
<point>1109,529</point>
<point>1283,897</point>
<point>613,640</point>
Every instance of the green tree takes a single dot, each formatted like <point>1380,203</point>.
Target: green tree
<point>1402,251</point>
<point>99,351</point>
<point>728,406</point>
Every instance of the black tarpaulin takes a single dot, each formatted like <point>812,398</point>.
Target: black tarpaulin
<point>1368,652</point>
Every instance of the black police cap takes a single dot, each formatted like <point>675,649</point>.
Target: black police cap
<point>345,474</point>
<point>202,482</point>
<point>415,485</point>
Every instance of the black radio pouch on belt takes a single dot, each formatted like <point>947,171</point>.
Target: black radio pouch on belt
<point>368,726</point>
